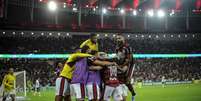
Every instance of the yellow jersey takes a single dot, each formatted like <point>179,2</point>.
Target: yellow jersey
<point>90,44</point>
<point>68,68</point>
<point>9,82</point>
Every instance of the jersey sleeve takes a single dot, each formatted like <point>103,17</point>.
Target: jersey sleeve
<point>84,43</point>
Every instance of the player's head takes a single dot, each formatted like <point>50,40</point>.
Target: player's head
<point>85,49</point>
<point>102,55</point>
<point>60,65</point>
<point>93,37</point>
<point>11,70</point>
<point>120,40</point>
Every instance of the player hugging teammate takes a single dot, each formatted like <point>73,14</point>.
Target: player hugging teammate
<point>85,72</point>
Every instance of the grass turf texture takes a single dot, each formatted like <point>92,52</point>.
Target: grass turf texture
<point>185,92</point>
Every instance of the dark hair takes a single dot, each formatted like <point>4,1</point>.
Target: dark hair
<point>93,52</point>
<point>84,49</point>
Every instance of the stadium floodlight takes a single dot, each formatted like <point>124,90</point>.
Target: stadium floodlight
<point>134,12</point>
<point>64,5</point>
<point>98,35</point>
<point>67,34</point>
<point>114,35</point>
<point>59,34</point>
<point>22,33</point>
<point>94,9</point>
<point>13,33</point>
<point>193,35</point>
<point>32,33</point>
<point>52,6</point>
<point>150,13</point>
<point>74,9</point>
<point>160,13</point>
<point>149,36</point>
<point>4,32</point>
<point>106,35</point>
<point>122,11</point>
<point>42,33</point>
<point>50,34</point>
<point>128,36</point>
<point>104,11</point>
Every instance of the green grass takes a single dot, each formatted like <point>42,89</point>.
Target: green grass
<point>188,92</point>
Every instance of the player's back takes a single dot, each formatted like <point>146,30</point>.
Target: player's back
<point>109,76</point>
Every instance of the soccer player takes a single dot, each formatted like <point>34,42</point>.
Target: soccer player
<point>8,84</point>
<point>81,76</point>
<point>91,42</point>
<point>124,59</point>
<point>163,81</point>
<point>64,79</point>
<point>37,87</point>
<point>112,86</point>
<point>93,85</point>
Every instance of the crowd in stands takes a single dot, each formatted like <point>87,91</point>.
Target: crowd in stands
<point>47,44</point>
<point>174,69</point>
<point>146,70</point>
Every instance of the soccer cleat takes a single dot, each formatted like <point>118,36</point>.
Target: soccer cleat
<point>133,98</point>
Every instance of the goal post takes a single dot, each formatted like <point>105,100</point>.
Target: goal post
<point>20,84</point>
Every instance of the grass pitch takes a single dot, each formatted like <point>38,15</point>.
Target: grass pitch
<point>185,92</point>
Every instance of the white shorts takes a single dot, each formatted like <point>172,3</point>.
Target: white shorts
<point>8,93</point>
<point>124,90</point>
<point>62,86</point>
<point>93,91</point>
<point>115,92</point>
<point>78,90</point>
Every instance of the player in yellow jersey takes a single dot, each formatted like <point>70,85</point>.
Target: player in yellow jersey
<point>8,84</point>
<point>63,81</point>
<point>91,43</point>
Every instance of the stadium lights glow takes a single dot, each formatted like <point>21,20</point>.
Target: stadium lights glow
<point>172,36</point>
<point>40,0</point>
<point>136,36</point>
<point>149,36</point>
<point>106,35</point>
<point>52,6</point>
<point>96,6</point>
<point>87,6</point>
<point>142,36</point>
<point>114,35</point>
<point>4,32</point>
<point>157,36</point>
<point>172,13</point>
<point>128,36</point>
<point>179,35</point>
<point>98,35</point>
<point>193,35</point>
<point>160,13</point>
<point>150,13</point>
<point>122,11</point>
<point>74,9</point>
<point>59,34</point>
<point>22,33</point>
<point>64,5</point>
<point>50,34</point>
<point>164,35</point>
<point>67,34</point>
<point>42,33</point>
<point>13,33</point>
<point>104,11</point>
<point>134,12</point>
<point>32,33</point>
<point>186,36</point>
<point>94,9</point>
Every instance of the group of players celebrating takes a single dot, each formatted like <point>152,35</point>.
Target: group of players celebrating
<point>91,73</point>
